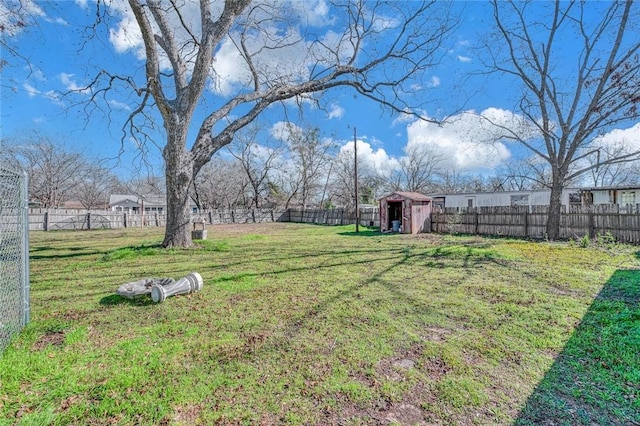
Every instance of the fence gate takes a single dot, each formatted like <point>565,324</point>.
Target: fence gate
<point>14,254</point>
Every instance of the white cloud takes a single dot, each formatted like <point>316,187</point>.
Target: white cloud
<point>464,59</point>
<point>38,74</point>
<point>625,139</point>
<point>403,118</point>
<point>280,52</point>
<point>336,111</point>
<point>465,141</point>
<point>127,37</point>
<point>70,84</point>
<point>51,95</point>
<point>119,105</point>
<point>282,130</point>
<point>278,55</point>
<point>370,160</point>
<point>31,91</point>
<point>434,82</point>
<point>314,12</point>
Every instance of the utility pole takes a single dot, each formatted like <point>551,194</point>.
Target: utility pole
<point>355,169</point>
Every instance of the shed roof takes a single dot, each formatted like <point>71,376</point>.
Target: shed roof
<point>415,196</point>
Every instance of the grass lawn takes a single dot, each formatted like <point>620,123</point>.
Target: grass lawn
<point>303,324</point>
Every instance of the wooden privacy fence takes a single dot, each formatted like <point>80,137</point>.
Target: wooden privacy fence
<point>369,216</point>
<point>54,219</point>
<point>531,221</point>
<point>623,223</point>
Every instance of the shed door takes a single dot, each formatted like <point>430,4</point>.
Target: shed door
<point>394,210</point>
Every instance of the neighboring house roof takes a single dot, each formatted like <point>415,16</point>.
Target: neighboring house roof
<point>415,196</point>
<point>150,200</point>
<point>608,188</point>
<point>516,192</point>
<point>530,191</point>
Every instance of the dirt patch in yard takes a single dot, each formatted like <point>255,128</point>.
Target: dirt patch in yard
<point>53,338</point>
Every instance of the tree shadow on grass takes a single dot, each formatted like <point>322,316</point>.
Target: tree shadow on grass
<point>367,232</point>
<point>596,378</point>
<point>76,252</point>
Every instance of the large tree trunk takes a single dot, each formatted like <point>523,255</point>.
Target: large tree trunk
<point>555,207</point>
<point>179,174</point>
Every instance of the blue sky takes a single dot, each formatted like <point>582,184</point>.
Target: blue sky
<point>62,57</point>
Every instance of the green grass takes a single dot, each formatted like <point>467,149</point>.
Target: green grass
<point>303,324</point>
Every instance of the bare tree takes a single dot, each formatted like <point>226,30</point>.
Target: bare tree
<point>418,171</point>
<point>220,184</point>
<point>93,188</point>
<point>525,174</point>
<point>379,49</point>
<point>612,174</point>
<point>370,183</point>
<point>146,185</point>
<point>451,180</point>
<point>568,114</point>
<point>309,163</point>
<point>257,162</point>
<point>53,171</point>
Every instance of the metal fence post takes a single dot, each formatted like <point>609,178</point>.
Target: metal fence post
<point>25,231</point>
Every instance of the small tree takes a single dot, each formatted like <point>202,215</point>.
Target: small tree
<point>257,162</point>
<point>308,163</point>
<point>418,170</point>
<point>220,184</point>
<point>370,183</point>
<point>92,190</point>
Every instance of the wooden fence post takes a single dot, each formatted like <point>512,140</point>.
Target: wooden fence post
<point>592,231</point>
<point>476,220</point>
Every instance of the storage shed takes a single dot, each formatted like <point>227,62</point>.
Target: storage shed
<point>405,212</point>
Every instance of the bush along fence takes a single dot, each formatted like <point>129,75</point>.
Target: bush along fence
<point>623,223</point>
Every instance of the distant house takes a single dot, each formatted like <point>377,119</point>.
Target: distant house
<point>151,203</point>
<point>538,197</point>
<point>618,195</point>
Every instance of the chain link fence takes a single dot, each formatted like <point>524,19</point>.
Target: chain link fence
<point>14,254</point>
